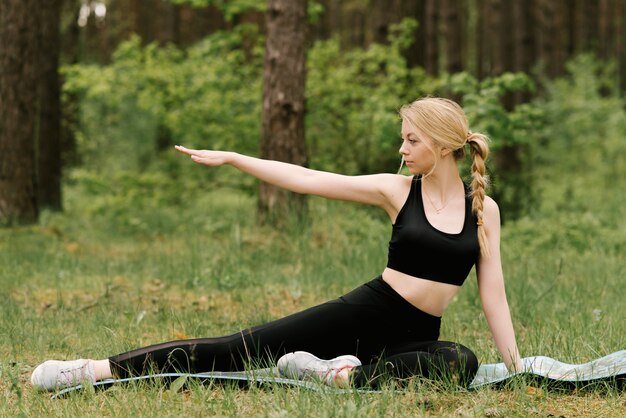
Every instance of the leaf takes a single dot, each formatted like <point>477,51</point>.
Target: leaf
<point>177,384</point>
<point>534,391</point>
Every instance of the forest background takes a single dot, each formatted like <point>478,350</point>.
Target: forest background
<point>121,240</point>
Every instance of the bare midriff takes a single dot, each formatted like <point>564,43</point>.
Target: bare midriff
<point>426,295</point>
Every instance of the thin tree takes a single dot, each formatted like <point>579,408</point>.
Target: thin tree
<point>431,29</point>
<point>49,132</point>
<point>18,109</point>
<point>524,50</point>
<point>284,76</point>
<point>452,33</point>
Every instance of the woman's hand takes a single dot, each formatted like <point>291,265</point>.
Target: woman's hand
<point>209,158</point>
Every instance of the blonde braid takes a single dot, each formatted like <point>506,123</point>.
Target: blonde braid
<point>479,151</point>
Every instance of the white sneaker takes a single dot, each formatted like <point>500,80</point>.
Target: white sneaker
<point>54,375</point>
<point>302,365</point>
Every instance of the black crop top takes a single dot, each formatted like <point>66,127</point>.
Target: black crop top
<point>419,249</point>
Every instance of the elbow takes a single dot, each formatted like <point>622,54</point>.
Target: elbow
<point>494,301</point>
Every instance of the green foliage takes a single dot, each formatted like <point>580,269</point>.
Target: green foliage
<point>209,96</point>
<point>352,100</point>
<point>483,103</point>
<point>580,157</point>
<point>512,132</point>
<point>149,97</point>
<point>586,129</point>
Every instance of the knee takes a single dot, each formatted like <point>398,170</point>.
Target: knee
<point>456,361</point>
<point>467,360</point>
<point>462,362</point>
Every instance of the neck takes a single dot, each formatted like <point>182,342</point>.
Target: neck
<point>444,182</point>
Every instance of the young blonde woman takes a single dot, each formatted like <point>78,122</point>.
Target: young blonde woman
<point>389,326</point>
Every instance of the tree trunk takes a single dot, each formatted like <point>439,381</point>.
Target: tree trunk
<point>415,54</point>
<point>551,34</point>
<point>283,103</point>
<point>49,144</point>
<point>18,110</point>
<point>382,14</point>
<point>431,27</point>
<point>482,40</point>
<point>525,55</point>
<point>453,35</point>
<point>619,16</point>
<point>495,31</point>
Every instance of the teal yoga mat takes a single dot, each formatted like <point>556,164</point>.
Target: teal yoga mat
<point>612,366</point>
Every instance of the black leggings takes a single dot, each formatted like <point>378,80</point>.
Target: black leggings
<point>373,322</point>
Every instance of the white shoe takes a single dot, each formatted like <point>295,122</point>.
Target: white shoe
<point>54,375</point>
<point>302,365</point>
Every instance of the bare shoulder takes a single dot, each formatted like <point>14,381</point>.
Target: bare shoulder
<point>491,212</point>
<point>396,185</point>
<point>491,206</point>
<point>396,189</point>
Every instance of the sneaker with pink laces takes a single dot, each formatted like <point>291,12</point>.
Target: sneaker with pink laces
<point>302,365</point>
<point>54,374</point>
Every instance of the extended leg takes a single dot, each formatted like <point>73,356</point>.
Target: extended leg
<point>328,330</point>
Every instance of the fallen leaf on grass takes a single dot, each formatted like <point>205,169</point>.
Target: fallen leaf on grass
<point>534,391</point>
<point>72,247</point>
<point>180,335</point>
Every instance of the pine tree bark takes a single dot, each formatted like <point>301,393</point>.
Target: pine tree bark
<point>524,50</point>
<point>482,40</point>
<point>495,29</point>
<point>453,35</point>
<point>415,55</point>
<point>431,27</point>
<point>18,110</point>
<point>619,16</point>
<point>283,104</point>
<point>49,136</point>
<point>551,34</point>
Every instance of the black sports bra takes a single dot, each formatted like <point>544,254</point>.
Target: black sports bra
<point>419,249</point>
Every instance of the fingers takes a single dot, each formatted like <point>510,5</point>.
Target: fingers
<point>184,150</point>
<point>205,157</point>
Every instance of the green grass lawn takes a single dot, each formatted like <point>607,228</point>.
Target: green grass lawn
<point>105,277</point>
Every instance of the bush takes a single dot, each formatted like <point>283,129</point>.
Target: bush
<point>579,172</point>
<point>151,97</point>
<point>353,96</point>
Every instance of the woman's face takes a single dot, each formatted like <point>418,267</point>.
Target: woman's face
<point>417,149</point>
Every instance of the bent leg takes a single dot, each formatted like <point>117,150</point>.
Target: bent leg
<point>438,360</point>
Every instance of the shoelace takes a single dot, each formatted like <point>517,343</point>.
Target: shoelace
<point>74,375</point>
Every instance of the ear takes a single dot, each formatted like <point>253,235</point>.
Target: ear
<point>445,152</point>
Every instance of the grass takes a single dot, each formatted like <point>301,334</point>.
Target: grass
<point>96,281</point>
<point>141,259</point>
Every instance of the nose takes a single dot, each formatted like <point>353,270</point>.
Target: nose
<point>403,149</point>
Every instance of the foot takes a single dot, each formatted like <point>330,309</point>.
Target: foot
<point>302,365</point>
<point>54,375</point>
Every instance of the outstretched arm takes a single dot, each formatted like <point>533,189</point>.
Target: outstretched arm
<point>377,189</point>
<point>492,293</point>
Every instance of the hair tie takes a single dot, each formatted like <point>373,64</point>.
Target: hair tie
<point>467,137</point>
<point>479,222</point>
